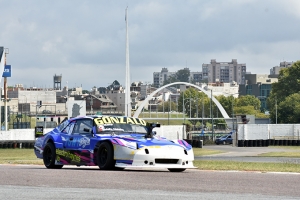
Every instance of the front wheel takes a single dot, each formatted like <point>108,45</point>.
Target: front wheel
<point>105,156</point>
<point>49,155</point>
<point>176,169</point>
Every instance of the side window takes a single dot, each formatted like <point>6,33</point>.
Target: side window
<point>69,128</point>
<point>83,126</point>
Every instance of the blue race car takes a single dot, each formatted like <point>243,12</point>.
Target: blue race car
<point>111,142</point>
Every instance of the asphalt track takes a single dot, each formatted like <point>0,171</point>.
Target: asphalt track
<point>37,182</point>
<point>247,154</point>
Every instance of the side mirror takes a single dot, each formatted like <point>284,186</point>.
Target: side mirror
<point>87,130</point>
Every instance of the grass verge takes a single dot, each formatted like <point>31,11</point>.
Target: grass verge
<point>27,156</point>
<point>18,156</point>
<point>247,166</point>
<point>203,152</point>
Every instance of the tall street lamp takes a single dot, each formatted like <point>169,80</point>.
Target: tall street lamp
<point>276,108</point>
<point>212,117</point>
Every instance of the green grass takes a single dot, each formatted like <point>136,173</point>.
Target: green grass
<point>18,156</point>
<point>281,154</point>
<point>287,151</point>
<point>27,156</point>
<point>247,166</point>
<point>203,152</point>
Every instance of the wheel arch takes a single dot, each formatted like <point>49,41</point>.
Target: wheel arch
<point>97,147</point>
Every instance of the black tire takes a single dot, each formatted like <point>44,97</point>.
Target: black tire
<point>49,156</point>
<point>118,169</point>
<point>176,169</point>
<point>105,156</point>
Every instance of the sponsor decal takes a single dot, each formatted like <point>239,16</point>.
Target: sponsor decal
<point>119,120</point>
<point>84,142</point>
<point>68,155</point>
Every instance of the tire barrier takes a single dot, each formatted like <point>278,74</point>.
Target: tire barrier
<point>195,143</point>
<point>254,143</point>
<point>246,143</point>
<point>240,143</point>
<point>250,143</point>
<point>16,145</point>
<point>189,142</point>
<point>259,143</point>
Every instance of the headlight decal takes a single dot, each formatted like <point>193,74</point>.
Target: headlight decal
<point>121,142</point>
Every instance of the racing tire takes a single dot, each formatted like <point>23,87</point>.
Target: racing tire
<point>105,157</point>
<point>118,169</point>
<point>49,156</point>
<point>176,169</point>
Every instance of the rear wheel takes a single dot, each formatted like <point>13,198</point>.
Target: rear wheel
<point>105,156</point>
<point>176,169</point>
<point>49,155</point>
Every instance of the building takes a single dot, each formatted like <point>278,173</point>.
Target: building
<point>274,71</point>
<point>160,77</point>
<point>225,72</point>
<point>259,85</point>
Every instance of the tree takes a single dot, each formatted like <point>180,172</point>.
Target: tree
<point>172,79</point>
<point>183,75</point>
<point>288,84</point>
<point>249,100</point>
<point>289,110</point>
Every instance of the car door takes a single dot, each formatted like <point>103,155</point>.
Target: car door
<point>229,139</point>
<point>78,141</point>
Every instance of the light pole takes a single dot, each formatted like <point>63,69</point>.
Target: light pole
<point>169,110</point>
<point>212,117</point>
<point>276,108</point>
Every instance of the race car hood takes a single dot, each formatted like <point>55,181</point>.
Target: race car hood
<point>138,141</point>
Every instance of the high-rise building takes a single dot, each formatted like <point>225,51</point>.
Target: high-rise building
<point>274,71</point>
<point>160,77</point>
<point>225,72</point>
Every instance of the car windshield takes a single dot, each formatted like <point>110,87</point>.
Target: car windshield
<point>119,125</point>
<point>224,136</point>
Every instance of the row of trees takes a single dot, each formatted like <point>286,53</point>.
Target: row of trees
<point>284,99</point>
<point>283,102</point>
<point>196,104</point>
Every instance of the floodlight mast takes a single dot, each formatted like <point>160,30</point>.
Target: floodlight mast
<point>127,78</point>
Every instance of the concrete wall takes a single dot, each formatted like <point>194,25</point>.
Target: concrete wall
<point>268,131</point>
<point>19,134</point>
<point>170,132</point>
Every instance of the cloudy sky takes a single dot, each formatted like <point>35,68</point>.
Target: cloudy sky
<point>84,41</point>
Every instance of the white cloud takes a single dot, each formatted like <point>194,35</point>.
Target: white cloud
<point>85,40</point>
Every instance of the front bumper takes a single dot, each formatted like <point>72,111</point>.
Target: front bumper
<point>158,157</point>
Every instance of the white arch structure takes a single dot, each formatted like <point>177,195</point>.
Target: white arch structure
<point>220,107</point>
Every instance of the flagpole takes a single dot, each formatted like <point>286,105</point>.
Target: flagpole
<point>127,78</point>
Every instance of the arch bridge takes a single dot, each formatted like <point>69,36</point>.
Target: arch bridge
<point>220,107</point>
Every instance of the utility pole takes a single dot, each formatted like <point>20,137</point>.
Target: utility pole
<point>276,108</point>
<point>212,116</point>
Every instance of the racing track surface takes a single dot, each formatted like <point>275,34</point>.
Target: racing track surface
<point>37,182</point>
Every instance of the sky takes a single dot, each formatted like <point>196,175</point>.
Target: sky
<point>84,41</point>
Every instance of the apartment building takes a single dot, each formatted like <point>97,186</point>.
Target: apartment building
<point>225,72</point>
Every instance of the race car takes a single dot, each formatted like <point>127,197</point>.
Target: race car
<point>112,143</point>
